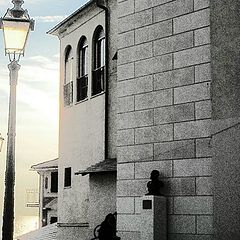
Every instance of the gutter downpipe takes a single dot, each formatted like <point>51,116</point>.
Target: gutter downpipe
<point>107,74</point>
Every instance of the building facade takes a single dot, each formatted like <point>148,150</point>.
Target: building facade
<point>146,85</point>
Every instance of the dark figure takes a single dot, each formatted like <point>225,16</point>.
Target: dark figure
<point>155,184</point>
<point>108,228</point>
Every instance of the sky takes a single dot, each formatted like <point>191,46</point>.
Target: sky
<point>37,98</point>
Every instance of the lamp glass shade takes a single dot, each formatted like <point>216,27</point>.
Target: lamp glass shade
<point>15,35</point>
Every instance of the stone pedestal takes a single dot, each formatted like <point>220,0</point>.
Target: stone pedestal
<point>153,218</point>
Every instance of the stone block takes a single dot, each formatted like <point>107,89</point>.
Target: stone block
<point>135,86</point>
<point>170,205</point>
<point>193,129</point>
<point>199,4</point>
<point>125,71</point>
<point>192,167</point>
<point>179,187</point>
<point>152,134</point>
<point>175,113</point>
<point>204,186</point>
<point>173,43</point>
<point>131,188</point>
<point>153,65</point>
<point>143,169</point>
<point>146,4</point>
<point>175,78</point>
<point>125,104</point>
<point>193,205</point>
<point>189,237</point>
<point>135,119</point>
<point>126,23</point>
<point>125,8</point>
<point>181,224</point>
<point>191,21</point>
<point>135,153</point>
<point>125,137</point>
<point>125,171</point>
<point>125,205</point>
<point>203,73</point>
<point>154,99</point>
<point>174,150</point>
<point>129,235</point>
<point>202,36</point>
<point>192,56</point>
<point>203,109</point>
<point>136,20</point>
<point>203,147</point>
<point>190,93</point>
<point>172,9</point>
<point>205,224</point>
<point>128,222</point>
<point>135,53</point>
<point>126,39</point>
<point>153,32</point>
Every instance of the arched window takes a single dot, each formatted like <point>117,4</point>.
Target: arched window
<point>68,65</point>
<point>99,61</point>
<point>82,79</point>
<point>68,71</point>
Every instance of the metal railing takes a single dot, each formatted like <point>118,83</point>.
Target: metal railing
<point>32,198</point>
<point>68,93</point>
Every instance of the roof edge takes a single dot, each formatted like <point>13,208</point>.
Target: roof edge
<point>54,29</point>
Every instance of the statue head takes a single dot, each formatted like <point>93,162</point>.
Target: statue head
<point>154,175</point>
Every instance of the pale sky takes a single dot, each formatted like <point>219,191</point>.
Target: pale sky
<point>37,96</point>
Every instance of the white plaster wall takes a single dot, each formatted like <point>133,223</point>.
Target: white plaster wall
<point>81,139</point>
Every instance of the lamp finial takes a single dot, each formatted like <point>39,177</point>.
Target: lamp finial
<point>17,11</point>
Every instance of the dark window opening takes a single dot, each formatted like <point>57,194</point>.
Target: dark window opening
<point>67,91</point>
<point>99,62</point>
<point>67,177</point>
<point>82,79</point>
<point>46,182</point>
<point>54,182</point>
<point>53,220</point>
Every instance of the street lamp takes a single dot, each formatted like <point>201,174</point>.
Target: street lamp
<point>1,142</point>
<point>16,25</point>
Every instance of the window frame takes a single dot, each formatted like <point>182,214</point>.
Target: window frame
<point>99,61</point>
<point>67,177</point>
<point>82,71</point>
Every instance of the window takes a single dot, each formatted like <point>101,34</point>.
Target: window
<point>82,79</point>
<point>68,86</point>
<point>46,182</point>
<point>67,177</point>
<point>99,61</point>
<point>54,182</point>
<point>53,220</point>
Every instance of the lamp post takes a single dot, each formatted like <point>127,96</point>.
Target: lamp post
<point>1,142</point>
<point>16,25</point>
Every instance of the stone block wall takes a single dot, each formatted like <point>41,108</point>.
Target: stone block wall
<point>164,113</point>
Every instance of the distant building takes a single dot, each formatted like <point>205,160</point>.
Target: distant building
<point>48,201</point>
<point>48,191</point>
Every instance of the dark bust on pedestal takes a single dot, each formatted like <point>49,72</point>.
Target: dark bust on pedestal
<point>155,184</point>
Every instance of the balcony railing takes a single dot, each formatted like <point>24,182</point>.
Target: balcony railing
<point>82,88</point>
<point>68,93</point>
<point>98,81</point>
<point>32,198</point>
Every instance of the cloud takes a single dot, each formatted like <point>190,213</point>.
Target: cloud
<point>49,18</point>
<point>37,85</point>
